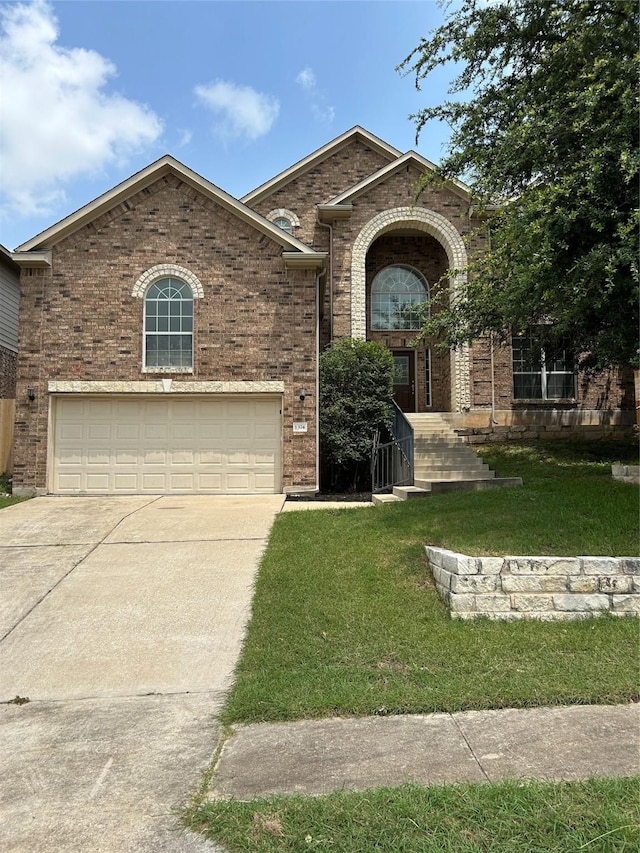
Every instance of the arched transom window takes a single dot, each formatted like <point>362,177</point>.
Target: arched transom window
<point>398,297</point>
<point>284,223</point>
<point>168,325</point>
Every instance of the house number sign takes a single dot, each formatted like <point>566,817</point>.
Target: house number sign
<point>299,426</point>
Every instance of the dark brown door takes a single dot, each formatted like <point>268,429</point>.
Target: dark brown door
<point>404,380</point>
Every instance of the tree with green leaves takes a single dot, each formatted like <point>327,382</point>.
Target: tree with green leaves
<point>544,121</point>
<point>356,390</point>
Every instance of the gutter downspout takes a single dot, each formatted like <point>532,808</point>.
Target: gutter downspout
<point>493,384</point>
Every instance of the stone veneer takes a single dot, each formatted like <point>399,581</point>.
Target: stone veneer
<point>626,473</point>
<point>546,588</point>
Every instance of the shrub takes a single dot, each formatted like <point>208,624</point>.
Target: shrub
<point>5,483</point>
<point>356,390</point>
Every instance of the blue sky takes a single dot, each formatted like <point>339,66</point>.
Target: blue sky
<point>94,90</point>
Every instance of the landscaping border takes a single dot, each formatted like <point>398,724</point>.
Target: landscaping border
<point>545,588</point>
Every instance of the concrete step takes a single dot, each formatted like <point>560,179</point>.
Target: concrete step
<point>446,456</point>
<point>425,488</point>
<point>405,493</point>
<point>432,474</point>
<point>438,487</point>
<point>384,499</point>
<point>442,457</point>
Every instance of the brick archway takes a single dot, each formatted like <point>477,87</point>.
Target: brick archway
<point>444,232</point>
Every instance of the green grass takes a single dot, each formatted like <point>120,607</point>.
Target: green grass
<point>597,816</point>
<point>346,619</point>
<point>10,500</point>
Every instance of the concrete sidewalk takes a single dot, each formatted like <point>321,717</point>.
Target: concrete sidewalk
<point>320,756</point>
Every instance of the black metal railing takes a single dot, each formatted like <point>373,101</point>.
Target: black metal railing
<point>392,461</point>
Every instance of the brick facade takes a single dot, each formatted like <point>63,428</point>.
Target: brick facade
<point>257,316</point>
<point>8,367</point>
<point>256,320</point>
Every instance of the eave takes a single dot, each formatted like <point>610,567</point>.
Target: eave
<point>410,158</point>
<point>304,260</point>
<point>32,260</point>
<point>166,165</point>
<point>318,156</point>
<point>333,212</point>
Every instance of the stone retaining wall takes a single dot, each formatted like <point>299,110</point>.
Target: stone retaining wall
<point>547,588</point>
<point>626,473</point>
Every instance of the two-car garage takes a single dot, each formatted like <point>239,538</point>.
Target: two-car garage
<point>166,444</point>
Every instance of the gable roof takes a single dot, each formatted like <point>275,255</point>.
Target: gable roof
<point>410,158</point>
<point>166,165</point>
<point>356,133</point>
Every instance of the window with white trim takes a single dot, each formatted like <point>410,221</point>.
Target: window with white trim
<point>542,371</point>
<point>283,218</point>
<point>168,325</point>
<point>284,223</point>
<point>399,298</point>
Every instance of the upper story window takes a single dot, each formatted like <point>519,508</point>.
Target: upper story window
<point>168,325</point>
<point>284,223</point>
<point>284,218</point>
<point>542,371</point>
<point>398,297</point>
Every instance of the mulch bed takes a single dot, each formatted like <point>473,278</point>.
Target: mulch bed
<point>332,496</point>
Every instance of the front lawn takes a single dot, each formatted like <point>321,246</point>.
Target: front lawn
<point>9,500</point>
<point>600,815</point>
<point>346,619</point>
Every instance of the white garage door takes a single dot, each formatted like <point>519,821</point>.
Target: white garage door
<point>165,445</point>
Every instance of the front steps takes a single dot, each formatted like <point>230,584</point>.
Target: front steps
<point>443,463</point>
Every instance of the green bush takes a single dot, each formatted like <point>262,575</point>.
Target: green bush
<point>5,483</point>
<point>356,390</point>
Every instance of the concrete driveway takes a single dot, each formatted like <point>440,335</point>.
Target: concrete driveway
<point>121,620</point>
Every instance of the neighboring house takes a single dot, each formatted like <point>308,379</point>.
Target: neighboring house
<point>170,333</point>
<point>9,300</point>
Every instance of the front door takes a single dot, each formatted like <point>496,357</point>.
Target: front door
<point>404,379</point>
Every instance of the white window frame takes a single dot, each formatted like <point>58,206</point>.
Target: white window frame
<point>167,368</point>
<point>284,213</point>
<point>427,378</point>
<point>423,281</point>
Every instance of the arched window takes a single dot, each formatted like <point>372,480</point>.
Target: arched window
<point>397,295</point>
<point>283,218</point>
<point>168,325</point>
<point>284,223</point>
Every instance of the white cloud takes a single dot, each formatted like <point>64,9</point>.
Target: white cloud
<point>323,113</point>
<point>184,136</point>
<point>58,121</point>
<point>306,78</point>
<point>316,100</point>
<point>242,111</point>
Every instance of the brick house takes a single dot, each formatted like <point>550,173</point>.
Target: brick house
<point>170,333</point>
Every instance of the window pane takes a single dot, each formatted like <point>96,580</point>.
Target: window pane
<point>527,386</point>
<point>284,223</point>
<point>401,370</point>
<point>560,385</point>
<point>169,310</point>
<point>396,293</point>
